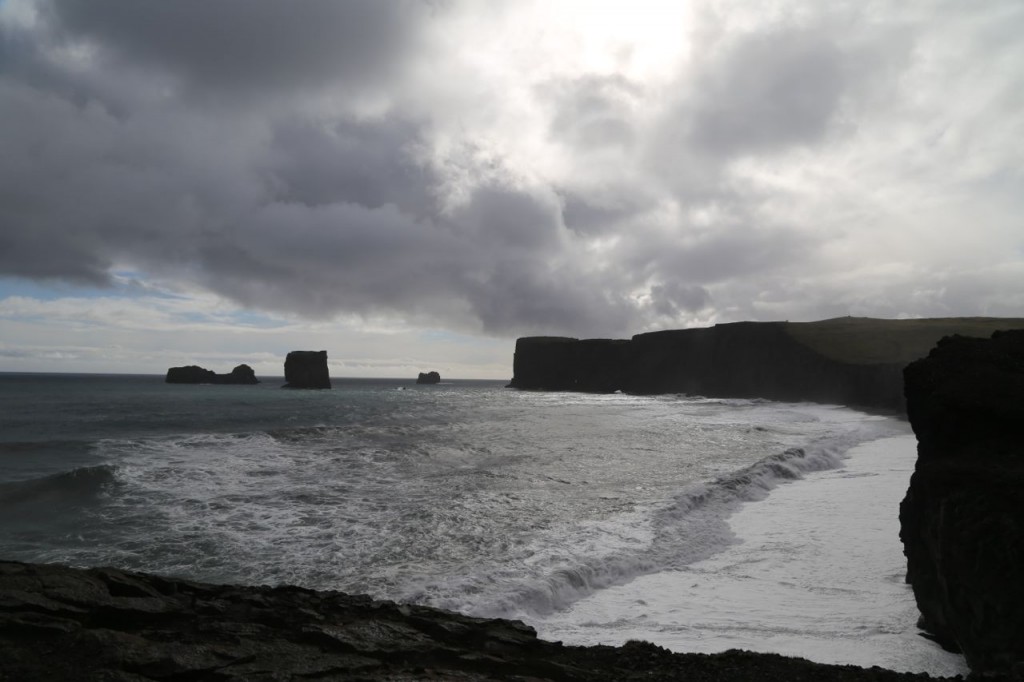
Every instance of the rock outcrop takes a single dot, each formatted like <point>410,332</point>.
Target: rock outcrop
<point>306,369</point>
<point>59,623</point>
<point>962,521</point>
<point>851,361</point>
<point>741,360</point>
<point>193,374</point>
<point>428,378</point>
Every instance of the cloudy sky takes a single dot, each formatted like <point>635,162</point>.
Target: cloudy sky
<point>412,184</point>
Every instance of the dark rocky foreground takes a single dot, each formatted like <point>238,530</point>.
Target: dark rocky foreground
<point>962,521</point>
<point>59,623</point>
<point>306,369</point>
<point>193,374</point>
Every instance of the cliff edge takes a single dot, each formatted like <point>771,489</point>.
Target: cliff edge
<point>962,521</point>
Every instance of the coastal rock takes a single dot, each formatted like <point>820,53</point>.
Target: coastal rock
<point>193,374</point>
<point>962,521</point>
<point>740,360</point>
<point>306,369</point>
<point>850,361</point>
<point>428,378</point>
<point>59,623</point>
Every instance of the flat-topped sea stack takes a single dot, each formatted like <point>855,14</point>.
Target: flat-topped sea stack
<point>962,521</point>
<point>850,361</point>
<point>193,374</point>
<point>306,369</point>
<point>428,378</point>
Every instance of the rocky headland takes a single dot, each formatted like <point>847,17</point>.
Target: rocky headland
<point>428,378</point>
<point>962,521</point>
<point>193,374</point>
<point>306,369</point>
<point>851,361</point>
<point>59,623</point>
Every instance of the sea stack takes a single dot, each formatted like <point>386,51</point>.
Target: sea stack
<point>193,374</point>
<point>428,378</point>
<point>962,521</point>
<point>306,369</point>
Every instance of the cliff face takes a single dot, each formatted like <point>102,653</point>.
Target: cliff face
<point>193,374</point>
<point>306,369</point>
<point>962,521</point>
<point>741,360</point>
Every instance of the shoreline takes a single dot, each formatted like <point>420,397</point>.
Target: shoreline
<point>748,596</point>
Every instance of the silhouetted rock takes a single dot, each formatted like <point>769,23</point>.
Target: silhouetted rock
<point>962,521</point>
<point>193,374</point>
<point>306,369</point>
<point>60,623</point>
<point>243,374</point>
<point>850,361</point>
<point>740,360</point>
<point>428,378</point>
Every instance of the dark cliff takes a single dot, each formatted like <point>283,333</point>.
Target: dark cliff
<point>741,360</point>
<point>962,521</point>
<point>306,369</point>
<point>60,623</point>
<point>193,374</point>
<point>852,361</point>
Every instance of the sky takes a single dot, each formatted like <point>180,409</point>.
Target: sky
<point>413,184</point>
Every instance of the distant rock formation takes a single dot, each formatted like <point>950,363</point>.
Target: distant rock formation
<point>962,521</point>
<point>306,369</point>
<point>740,360</point>
<point>59,623</point>
<point>851,361</point>
<point>428,378</point>
<point>193,374</point>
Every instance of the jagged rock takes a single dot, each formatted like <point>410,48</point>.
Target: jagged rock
<point>428,378</point>
<point>306,369</point>
<point>59,623</point>
<point>193,374</point>
<point>962,521</point>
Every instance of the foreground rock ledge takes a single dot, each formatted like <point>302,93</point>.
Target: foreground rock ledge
<point>59,623</point>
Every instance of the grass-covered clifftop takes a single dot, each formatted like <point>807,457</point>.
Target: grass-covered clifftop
<point>867,340</point>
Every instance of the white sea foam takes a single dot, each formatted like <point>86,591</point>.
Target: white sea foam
<point>817,572</point>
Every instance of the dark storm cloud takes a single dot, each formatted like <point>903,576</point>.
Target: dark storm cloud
<point>310,157</point>
<point>248,45</point>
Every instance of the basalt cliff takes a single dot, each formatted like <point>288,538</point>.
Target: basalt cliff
<point>851,361</point>
<point>962,521</point>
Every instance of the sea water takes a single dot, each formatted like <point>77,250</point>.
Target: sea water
<point>594,518</point>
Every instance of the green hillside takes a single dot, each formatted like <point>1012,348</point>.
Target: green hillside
<point>866,340</point>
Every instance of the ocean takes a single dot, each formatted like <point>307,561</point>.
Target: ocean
<point>698,524</point>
